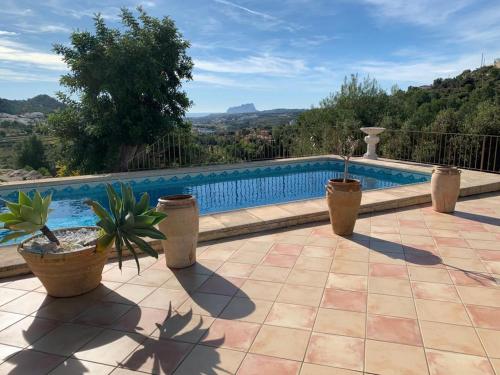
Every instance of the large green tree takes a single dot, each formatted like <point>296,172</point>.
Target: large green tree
<point>124,90</point>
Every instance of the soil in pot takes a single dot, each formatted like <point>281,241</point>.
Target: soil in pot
<point>344,199</point>
<point>68,270</point>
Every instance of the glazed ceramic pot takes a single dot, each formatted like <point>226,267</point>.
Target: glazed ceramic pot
<point>344,199</point>
<point>181,229</point>
<point>66,274</point>
<point>445,188</point>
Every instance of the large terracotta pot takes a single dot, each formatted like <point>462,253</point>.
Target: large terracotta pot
<point>181,229</point>
<point>66,274</point>
<point>344,199</point>
<point>445,188</point>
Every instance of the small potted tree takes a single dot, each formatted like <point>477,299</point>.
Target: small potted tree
<point>69,261</point>
<point>343,195</point>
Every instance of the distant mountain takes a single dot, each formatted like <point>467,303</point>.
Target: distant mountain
<point>40,103</point>
<point>256,119</point>
<point>244,108</point>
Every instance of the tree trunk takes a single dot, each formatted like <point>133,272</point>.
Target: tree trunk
<point>127,152</point>
<point>50,236</point>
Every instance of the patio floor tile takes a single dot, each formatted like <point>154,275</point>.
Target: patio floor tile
<point>443,312</point>
<point>338,351</point>
<point>74,366</point>
<point>344,300</point>
<point>110,347</point>
<point>491,341</point>
<point>209,360</point>
<point>163,298</point>
<point>65,339</point>
<point>247,310</point>
<point>300,295</point>
<point>231,334</point>
<point>292,316</point>
<point>224,285</point>
<point>485,317</point>
<point>26,331</point>
<point>381,304</point>
<point>143,320</point>
<point>270,273</point>
<point>260,289</point>
<point>312,369</point>
<point>347,282</point>
<point>307,278</point>
<point>287,343</point>
<point>205,304</point>
<point>434,291</point>
<point>393,329</point>
<point>259,364</point>
<point>386,285</point>
<point>394,359</point>
<point>186,327</point>
<point>157,356</point>
<point>30,362</point>
<point>340,322</point>
<point>451,337</point>
<point>349,267</point>
<point>286,249</point>
<point>102,314</point>
<point>444,363</point>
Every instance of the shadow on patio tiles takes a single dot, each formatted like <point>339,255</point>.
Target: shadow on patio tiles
<point>476,217</point>
<point>160,355</point>
<point>416,256</point>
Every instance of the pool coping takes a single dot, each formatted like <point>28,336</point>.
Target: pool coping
<point>262,218</point>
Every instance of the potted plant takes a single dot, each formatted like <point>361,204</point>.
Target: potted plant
<point>445,188</point>
<point>69,261</point>
<point>343,195</point>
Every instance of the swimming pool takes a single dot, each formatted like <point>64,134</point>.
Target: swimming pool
<point>223,190</point>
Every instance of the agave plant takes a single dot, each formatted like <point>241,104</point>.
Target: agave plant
<point>127,222</point>
<point>27,216</point>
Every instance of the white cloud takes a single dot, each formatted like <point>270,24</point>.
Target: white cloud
<point>18,53</point>
<point>268,21</point>
<point>260,64</point>
<point>423,12</point>
<point>7,33</point>
<point>419,71</point>
<point>20,76</point>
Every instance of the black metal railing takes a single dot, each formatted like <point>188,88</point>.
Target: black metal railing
<point>183,149</point>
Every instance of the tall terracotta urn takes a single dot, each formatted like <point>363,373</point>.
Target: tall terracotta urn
<point>344,199</point>
<point>445,188</point>
<point>181,229</point>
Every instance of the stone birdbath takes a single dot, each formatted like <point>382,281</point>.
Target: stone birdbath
<point>371,140</point>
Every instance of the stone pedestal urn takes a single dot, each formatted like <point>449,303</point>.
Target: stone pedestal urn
<point>445,188</point>
<point>344,199</point>
<point>181,229</point>
<point>371,141</point>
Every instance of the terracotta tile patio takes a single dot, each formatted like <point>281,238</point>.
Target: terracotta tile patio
<point>412,292</point>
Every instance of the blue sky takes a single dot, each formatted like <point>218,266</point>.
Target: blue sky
<point>276,54</point>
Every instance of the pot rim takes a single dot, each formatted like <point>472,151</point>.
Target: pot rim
<point>340,181</point>
<point>176,198</point>
<point>21,249</point>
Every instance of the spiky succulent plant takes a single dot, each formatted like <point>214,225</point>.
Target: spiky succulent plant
<point>127,222</point>
<point>27,216</point>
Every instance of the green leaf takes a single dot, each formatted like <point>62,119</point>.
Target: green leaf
<point>29,214</point>
<point>26,226</point>
<point>159,217</point>
<point>129,220</point>
<point>143,245</point>
<point>15,208</point>
<point>12,236</point>
<point>24,199</point>
<point>114,204</point>
<point>142,221</point>
<point>143,204</point>
<point>45,207</point>
<point>98,209</point>
<point>7,216</point>
<point>104,241</point>
<point>132,250</point>
<point>10,223</point>
<point>107,225</point>
<point>149,232</point>
<point>118,247</point>
<point>37,202</point>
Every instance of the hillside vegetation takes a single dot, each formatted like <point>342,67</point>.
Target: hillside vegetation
<point>40,103</point>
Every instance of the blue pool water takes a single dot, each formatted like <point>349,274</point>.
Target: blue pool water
<point>225,190</point>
